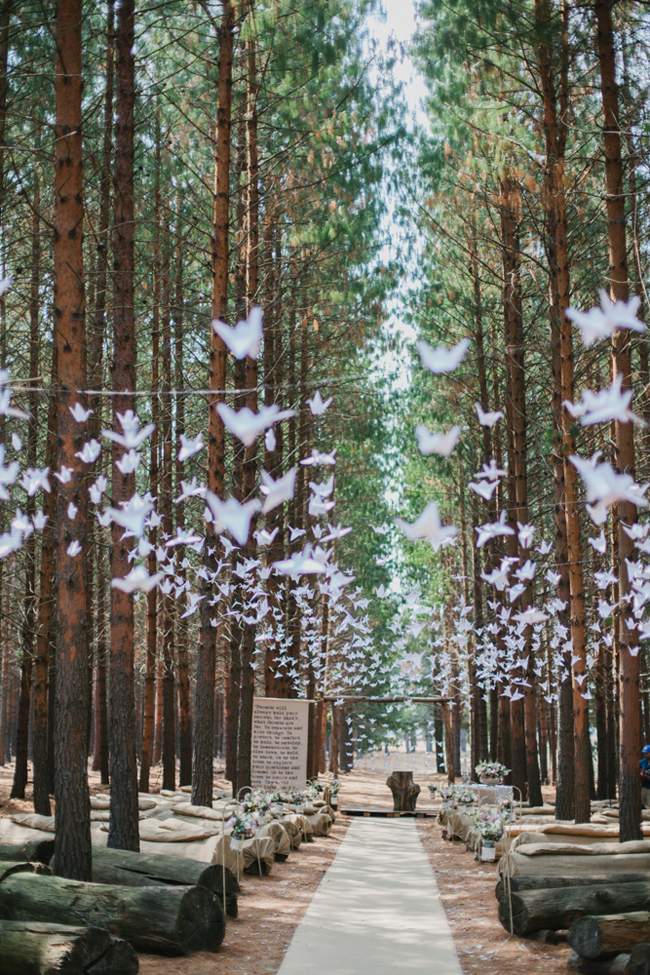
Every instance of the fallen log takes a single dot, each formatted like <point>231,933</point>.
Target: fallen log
<point>558,907</point>
<point>640,960</point>
<point>159,920</point>
<point>588,966</point>
<point>38,851</point>
<point>155,870</point>
<point>37,948</point>
<point>595,936</point>
<point>519,883</point>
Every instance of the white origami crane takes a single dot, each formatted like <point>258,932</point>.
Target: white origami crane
<point>132,437</point>
<point>72,511</point>
<point>189,447</point>
<point>269,440</point>
<point>64,475</point>
<point>525,534</point>
<point>190,489</point>
<point>32,480</point>
<point>442,359</point>
<point>308,562</point>
<point>531,616</point>
<point>428,526</point>
<point>138,578</point>
<point>129,462</point>
<point>599,323</point>
<point>131,516</point>
<point>79,413</point>
<point>317,405</point>
<point>493,530</point>
<point>599,544</point>
<point>484,488</point>
<point>97,489</point>
<point>317,459</point>
<point>606,487</point>
<point>487,419</point>
<point>232,516</point>
<point>246,425</point>
<point>16,442</point>
<point>74,549</point>
<point>183,537</point>
<point>608,404</point>
<point>277,492</point>
<point>40,520</point>
<point>437,443</point>
<point>244,339</point>
<point>262,537</point>
<point>90,452</point>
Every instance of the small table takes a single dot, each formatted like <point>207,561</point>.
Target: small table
<point>487,795</point>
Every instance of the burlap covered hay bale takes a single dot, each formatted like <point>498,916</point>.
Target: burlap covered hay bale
<point>279,835</point>
<point>259,855</point>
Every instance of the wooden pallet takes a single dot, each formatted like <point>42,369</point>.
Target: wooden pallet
<point>386,813</point>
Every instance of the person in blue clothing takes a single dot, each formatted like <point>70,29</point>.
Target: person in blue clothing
<point>645,775</point>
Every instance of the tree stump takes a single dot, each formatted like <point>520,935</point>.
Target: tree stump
<point>404,789</point>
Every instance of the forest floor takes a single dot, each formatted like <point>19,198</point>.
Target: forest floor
<point>270,908</point>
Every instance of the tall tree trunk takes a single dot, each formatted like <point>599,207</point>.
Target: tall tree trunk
<point>203,757</point>
<point>42,773</point>
<point>517,484</point>
<point>165,508</point>
<point>184,704</point>
<point>28,627</point>
<point>629,739</point>
<point>72,850</point>
<point>123,825</point>
<point>96,375</point>
<point>250,455</point>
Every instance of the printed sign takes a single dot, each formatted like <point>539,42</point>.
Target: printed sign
<point>279,745</point>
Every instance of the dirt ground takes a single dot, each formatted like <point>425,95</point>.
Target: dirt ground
<point>270,908</point>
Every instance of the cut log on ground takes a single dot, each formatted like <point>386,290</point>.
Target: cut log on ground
<point>595,936</point>
<point>37,948</point>
<point>405,791</point>
<point>558,907</point>
<point>156,870</point>
<point>39,851</point>
<point>640,960</point>
<point>160,920</point>
<point>589,966</point>
<point>546,883</point>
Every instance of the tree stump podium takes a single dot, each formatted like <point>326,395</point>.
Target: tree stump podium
<point>405,791</point>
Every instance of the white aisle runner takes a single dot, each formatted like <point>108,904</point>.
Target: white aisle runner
<point>377,910</point>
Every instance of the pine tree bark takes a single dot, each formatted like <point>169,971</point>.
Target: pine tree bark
<point>123,824</point>
<point>184,703</point>
<point>72,855</point>
<point>203,757</point>
<point>517,486</point>
<point>165,508</point>
<point>42,772</point>
<point>28,627</point>
<point>629,739</point>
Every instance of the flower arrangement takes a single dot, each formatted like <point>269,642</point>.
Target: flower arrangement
<point>464,795</point>
<point>257,801</point>
<point>334,786</point>
<point>489,825</point>
<point>491,770</point>
<point>446,792</point>
<point>506,806</point>
<point>241,827</point>
<point>280,796</point>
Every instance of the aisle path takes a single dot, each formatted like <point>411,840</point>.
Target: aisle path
<point>377,910</point>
